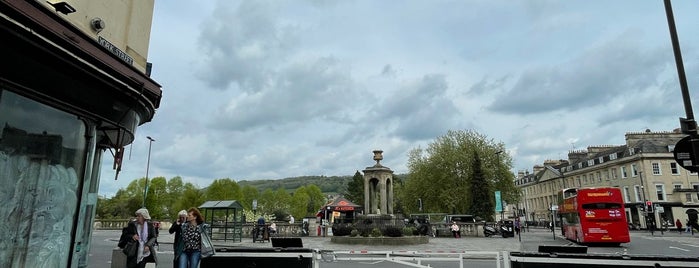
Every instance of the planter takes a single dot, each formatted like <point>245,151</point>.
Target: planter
<point>379,241</point>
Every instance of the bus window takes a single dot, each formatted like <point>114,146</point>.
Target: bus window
<point>601,205</point>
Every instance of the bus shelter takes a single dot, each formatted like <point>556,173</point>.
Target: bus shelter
<point>225,218</point>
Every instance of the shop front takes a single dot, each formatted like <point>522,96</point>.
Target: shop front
<point>65,104</point>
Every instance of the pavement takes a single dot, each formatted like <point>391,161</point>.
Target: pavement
<point>529,242</point>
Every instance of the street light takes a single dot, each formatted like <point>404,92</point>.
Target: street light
<point>145,191</point>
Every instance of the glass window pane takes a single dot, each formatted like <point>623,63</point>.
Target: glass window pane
<point>42,152</point>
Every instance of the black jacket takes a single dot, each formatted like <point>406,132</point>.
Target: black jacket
<point>127,235</point>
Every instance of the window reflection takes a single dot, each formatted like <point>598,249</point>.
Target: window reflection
<point>42,152</point>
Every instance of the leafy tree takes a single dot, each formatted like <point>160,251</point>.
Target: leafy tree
<point>443,174</point>
<point>274,202</point>
<point>481,201</point>
<point>223,189</point>
<point>316,199</point>
<point>191,197</point>
<point>355,189</point>
<point>249,193</point>
<point>175,190</point>
<point>299,203</point>
<point>156,202</point>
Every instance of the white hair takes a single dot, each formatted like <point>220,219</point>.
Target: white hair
<point>144,213</point>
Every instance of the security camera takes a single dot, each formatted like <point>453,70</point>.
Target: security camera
<point>97,24</point>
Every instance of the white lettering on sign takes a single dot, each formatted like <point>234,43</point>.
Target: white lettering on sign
<point>115,50</point>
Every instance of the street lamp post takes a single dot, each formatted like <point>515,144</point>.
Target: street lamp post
<point>145,191</point>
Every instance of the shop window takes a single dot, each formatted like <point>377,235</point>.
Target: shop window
<point>42,152</point>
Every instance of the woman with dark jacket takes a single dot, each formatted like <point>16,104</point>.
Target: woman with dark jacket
<point>141,234</point>
<point>176,228</point>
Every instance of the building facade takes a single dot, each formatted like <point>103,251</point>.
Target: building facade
<point>644,169</point>
<point>73,90</point>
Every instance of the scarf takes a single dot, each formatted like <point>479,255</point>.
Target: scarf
<point>142,239</point>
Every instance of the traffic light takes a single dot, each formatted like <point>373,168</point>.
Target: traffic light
<point>649,206</point>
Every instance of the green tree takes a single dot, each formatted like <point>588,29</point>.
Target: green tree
<point>175,191</point>
<point>156,202</point>
<point>299,203</point>
<point>191,197</point>
<point>482,202</point>
<point>355,189</point>
<point>316,200</point>
<point>250,193</point>
<point>274,202</point>
<point>442,175</point>
<point>223,189</point>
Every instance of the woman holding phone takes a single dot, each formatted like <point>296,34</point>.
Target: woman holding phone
<point>176,228</point>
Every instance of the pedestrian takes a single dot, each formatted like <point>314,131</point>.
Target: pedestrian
<point>140,237</point>
<point>517,226</point>
<point>678,223</point>
<point>291,219</point>
<point>455,230</point>
<point>195,243</point>
<point>176,228</point>
<point>273,229</point>
<point>689,226</point>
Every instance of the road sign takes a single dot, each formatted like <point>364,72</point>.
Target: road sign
<point>660,209</point>
<point>684,154</point>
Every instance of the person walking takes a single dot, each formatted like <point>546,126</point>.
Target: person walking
<point>195,242</point>
<point>139,236</point>
<point>689,226</point>
<point>455,230</point>
<point>176,228</point>
<point>678,224</point>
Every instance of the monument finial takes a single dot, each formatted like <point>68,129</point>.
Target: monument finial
<point>378,156</point>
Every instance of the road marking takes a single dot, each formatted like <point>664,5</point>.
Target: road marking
<point>680,249</point>
<point>690,245</point>
<point>371,263</point>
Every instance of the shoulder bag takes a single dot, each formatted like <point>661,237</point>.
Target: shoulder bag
<point>207,248</point>
<point>131,249</point>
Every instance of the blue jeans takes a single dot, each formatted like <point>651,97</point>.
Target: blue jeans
<point>190,259</point>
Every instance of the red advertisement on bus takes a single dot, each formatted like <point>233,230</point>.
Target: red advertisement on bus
<point>593,215</point>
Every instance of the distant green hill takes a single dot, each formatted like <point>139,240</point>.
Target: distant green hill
<point>328,185</point>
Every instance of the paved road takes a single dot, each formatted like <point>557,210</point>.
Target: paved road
<point>669,244</point>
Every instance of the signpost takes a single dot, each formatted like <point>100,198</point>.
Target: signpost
<point>554,208</point>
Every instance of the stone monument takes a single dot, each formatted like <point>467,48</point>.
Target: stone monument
<point>378,187</point>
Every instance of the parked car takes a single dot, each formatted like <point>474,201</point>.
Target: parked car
<point>443,228</point>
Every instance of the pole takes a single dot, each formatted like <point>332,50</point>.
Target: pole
<point>643,193</point>
<point>553,222</point>
<point>145,190</point>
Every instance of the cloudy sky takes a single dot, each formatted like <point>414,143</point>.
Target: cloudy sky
<point>274,89</point>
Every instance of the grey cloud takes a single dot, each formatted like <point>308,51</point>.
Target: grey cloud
<point>420,110</point>
<point>301,92</point>
<point>243,44</point>
<point>487,86</point>
<point>617,68</point>
<point>388,71</point>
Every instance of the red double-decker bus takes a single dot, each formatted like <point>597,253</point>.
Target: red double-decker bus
<point>593,215</point>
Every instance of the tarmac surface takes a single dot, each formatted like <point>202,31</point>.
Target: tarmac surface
<point>529,242</point>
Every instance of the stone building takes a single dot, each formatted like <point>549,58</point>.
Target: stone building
<point>74,87</point>
<point>644,169</point>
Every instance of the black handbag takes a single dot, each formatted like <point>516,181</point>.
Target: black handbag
<point>131,249</point>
